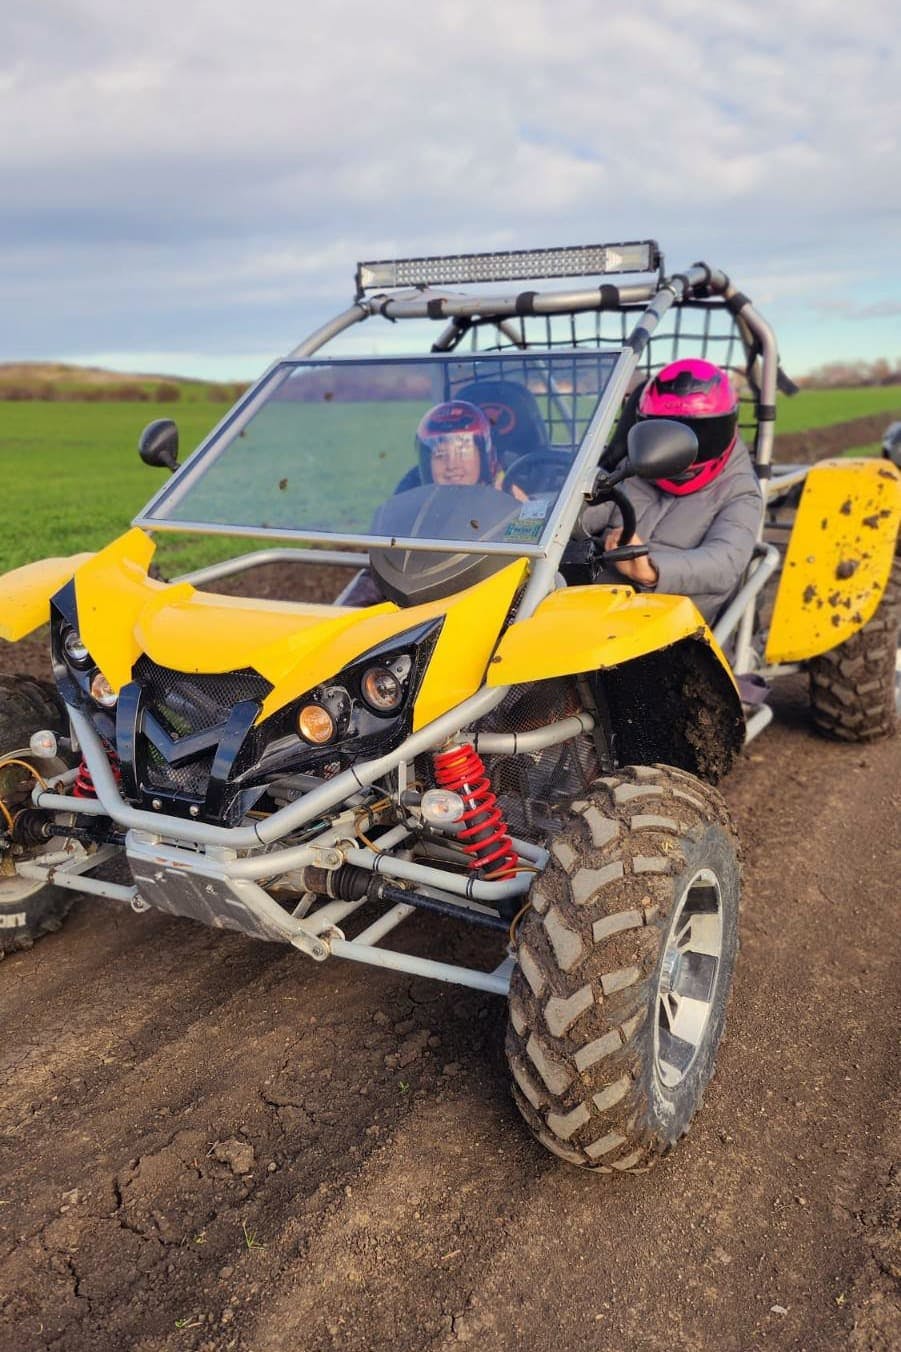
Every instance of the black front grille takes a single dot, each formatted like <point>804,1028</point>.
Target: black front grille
<point>186,703</point>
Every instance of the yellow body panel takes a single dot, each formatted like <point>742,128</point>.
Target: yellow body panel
<point>25,594</point>
<point>123,613</point>
<point>839,557</point>
<point>588,628</point>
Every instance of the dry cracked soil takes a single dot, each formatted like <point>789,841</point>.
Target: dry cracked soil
<point>209,1144</point>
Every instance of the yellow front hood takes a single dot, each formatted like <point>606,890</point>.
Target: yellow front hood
<point>123,613</point>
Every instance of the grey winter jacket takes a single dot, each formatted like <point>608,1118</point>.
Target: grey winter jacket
<point>700,542</point>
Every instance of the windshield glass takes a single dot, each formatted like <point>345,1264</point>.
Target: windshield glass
<point>320,447</point>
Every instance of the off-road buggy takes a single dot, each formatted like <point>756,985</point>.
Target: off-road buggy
<point>500,742</point>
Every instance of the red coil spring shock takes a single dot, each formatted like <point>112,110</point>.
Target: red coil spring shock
<point>484,838</point>
<point>84,782</point>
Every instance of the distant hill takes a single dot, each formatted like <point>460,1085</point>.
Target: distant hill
<point>58,381</point>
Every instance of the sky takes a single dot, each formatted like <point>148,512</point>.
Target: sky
<point>187,188</point>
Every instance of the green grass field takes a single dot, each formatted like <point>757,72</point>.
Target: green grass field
<point>73,480</point>
<point>822,408</point>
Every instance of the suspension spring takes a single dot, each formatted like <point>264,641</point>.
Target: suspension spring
<point>485,837</point>
<point>84,782</point>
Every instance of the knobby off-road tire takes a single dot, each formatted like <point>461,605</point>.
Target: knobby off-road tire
<point>624,966</point>
<point>28,909</point>
<point>855,692</point>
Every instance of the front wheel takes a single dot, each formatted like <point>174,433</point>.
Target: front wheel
<point>855,690</point>
<point>28,908</point>
<point>624,967</point>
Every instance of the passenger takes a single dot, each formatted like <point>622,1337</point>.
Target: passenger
<point>702,525</point>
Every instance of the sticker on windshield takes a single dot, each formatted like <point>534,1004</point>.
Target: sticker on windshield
<point>530,529</point>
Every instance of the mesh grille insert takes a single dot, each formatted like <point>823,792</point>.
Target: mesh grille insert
<point>185,703</point>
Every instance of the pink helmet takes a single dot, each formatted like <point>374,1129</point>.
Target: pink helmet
<point>699,394</point>
<point>451,418</point>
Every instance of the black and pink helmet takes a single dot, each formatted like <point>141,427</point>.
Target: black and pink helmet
<point>449,419</point>
<point>700,395</point>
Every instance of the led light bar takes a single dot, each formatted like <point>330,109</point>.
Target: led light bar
<point>579,260</point>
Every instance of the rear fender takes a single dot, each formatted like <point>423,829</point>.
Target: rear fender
<point>838,559</point>
<point>25,594</point>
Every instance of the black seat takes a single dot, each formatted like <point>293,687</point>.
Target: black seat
<point>517,427</point>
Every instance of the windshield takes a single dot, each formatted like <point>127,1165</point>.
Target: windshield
<point>320,448</point>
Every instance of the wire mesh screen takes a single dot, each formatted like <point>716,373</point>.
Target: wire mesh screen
<point>550,399</point>
<point>692,329</point>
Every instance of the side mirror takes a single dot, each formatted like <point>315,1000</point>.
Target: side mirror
<point>661,448</point>
<point>158,444</point>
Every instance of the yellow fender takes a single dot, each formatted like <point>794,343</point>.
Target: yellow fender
<point>25,594</point>
<point>839,557</point>
<point>122,613</point>
<point>580,629</point>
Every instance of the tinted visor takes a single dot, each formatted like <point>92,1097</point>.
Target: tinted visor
<point>715,435</point>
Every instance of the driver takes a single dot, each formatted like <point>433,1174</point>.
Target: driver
<point>701,526</point>
<point>454,446</point>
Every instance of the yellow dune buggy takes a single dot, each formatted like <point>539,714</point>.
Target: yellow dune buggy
<point>496,740</point>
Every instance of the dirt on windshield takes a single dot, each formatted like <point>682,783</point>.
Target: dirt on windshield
<point>216,1145</point>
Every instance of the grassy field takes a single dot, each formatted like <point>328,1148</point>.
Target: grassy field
<point>822,408</point>
<point>73,480</point>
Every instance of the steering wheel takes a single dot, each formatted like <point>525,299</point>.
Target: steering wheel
<point>536,472</point>
<point>622,553</point>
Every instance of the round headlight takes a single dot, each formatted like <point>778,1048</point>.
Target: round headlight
<point>316,724</point>
<point>102,692</point>
<point>381,689</point>
<point>75,649</point>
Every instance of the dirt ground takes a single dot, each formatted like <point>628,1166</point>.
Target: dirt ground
<point>210,1144</point>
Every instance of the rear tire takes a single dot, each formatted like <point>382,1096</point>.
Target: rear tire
<point>624,966</point>
<point>28,909</point>
<point>855,690</point>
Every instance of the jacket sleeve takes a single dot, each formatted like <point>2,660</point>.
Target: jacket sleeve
<point>596,519</point>
<point>715,566</point>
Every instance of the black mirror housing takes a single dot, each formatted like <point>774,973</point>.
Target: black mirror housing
<point>158,444</point>
<point>660,448</point>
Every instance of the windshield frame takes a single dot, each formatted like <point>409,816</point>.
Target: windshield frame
<point>276,374</point>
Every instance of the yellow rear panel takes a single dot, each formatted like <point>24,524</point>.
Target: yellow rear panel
<point>838,559</point>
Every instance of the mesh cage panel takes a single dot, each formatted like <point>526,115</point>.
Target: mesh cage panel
<point>535,789</point>
<point>697,328</point>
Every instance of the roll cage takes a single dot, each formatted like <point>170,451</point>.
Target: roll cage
<point>647,319</point>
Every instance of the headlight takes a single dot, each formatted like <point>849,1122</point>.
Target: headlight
<point>75,650</point>
<point>102,692</point>
<point>315,723</point>
<point>381,690</point>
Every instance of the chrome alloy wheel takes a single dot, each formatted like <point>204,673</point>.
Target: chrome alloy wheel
<point>688,978</point>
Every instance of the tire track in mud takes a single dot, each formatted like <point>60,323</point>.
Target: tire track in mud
<point>277,1159</point>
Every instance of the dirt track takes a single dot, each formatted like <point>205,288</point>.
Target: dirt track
<point>207,1143</point>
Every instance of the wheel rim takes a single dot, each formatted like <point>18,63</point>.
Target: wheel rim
<point>687,978</point>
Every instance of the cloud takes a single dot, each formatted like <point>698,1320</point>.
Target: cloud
<point>200,179</point>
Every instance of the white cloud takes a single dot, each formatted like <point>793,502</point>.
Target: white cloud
<point>193,176</point>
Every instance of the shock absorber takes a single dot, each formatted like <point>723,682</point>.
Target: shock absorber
<point>485,837</point>
<point>84,783</point>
